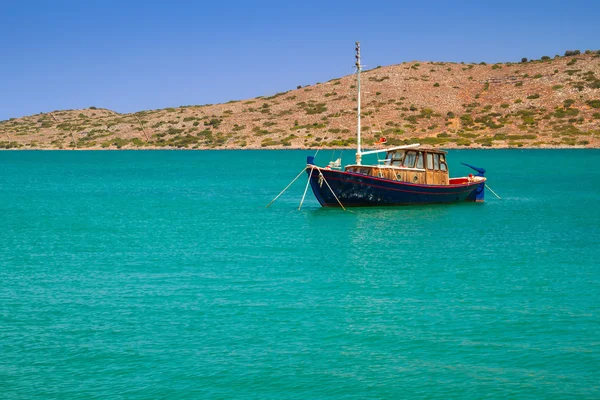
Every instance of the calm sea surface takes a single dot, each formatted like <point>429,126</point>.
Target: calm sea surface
<point>160,274</point>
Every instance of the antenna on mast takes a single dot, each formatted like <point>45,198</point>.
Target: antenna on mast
<point>358,68</point>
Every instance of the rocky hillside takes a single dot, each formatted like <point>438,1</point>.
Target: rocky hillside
<point>554,102</point>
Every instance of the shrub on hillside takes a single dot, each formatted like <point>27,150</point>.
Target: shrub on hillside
<point>593,103</point>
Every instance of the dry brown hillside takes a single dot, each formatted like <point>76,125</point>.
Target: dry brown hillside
<point>542,103</point>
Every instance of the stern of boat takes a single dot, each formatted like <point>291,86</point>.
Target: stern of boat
<point>478,194</point>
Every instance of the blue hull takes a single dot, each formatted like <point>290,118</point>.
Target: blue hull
<point>355,190</point>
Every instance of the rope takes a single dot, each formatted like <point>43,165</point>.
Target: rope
<point>499,198</point>
<point>306,188</point>
<point>286,188</point>
<point>327,183</point>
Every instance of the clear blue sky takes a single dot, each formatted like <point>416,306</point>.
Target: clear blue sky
<point>135,55</point>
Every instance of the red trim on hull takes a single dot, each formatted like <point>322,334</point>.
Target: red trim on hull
<point>396,182</point>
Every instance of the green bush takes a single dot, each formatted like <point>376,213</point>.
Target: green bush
<point>593,103</point>
<point>383,78</point>
<point>533,96</point>
<point>173,131</point>
<point>315,109</point>
<point>521,137</point>
<point>214,122</point>
<point>485,142</point>
<point>567,112</point>
<point>467,120</point>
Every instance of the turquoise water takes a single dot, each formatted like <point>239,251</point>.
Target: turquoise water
<point>151,274</point>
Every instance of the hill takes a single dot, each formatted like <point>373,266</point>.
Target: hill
<point>554,102</point>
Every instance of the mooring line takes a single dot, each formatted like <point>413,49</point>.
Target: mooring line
<point>286,188</point>
<point>499,198</point>
<point>306,188</point>
<point>332,192</point>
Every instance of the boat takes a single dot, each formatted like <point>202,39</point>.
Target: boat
<point>407,175</point>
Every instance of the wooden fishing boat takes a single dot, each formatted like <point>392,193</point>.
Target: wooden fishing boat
<point>410,174</point>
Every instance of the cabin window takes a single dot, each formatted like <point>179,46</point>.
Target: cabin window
<point>364,171</point>
<point>409,160</point>
<point>443,166</point>
<point>436,162</point>
<point>429,161</point>
<point>420,160</point>
<point>396,157</point>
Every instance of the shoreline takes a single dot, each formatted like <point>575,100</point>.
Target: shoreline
<point>301,148</point>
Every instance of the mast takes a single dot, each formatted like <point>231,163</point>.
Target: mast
<point>358,68</point>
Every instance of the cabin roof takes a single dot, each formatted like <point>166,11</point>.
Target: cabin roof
<point>428,149</point>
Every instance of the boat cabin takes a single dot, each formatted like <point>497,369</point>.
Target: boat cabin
<point>421,166</point>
